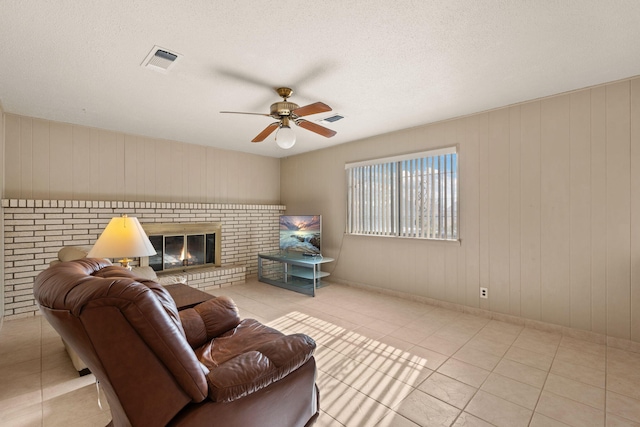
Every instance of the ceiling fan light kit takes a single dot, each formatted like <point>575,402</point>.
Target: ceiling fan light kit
<point>285,112</point>
<point>285,137</point>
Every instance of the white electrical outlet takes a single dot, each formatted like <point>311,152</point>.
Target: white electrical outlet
<point>484,293</point>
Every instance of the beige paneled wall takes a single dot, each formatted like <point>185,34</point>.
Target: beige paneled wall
<point>51,160</point>
<point>1,209</point>
<point>549,211</point>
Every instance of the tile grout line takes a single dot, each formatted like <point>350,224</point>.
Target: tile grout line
<point>546,377</point>
<point>606,371</point>
<point>41,373</point>
<point>492,370</point>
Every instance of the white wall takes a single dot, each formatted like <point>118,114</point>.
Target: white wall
<point>549,211</point>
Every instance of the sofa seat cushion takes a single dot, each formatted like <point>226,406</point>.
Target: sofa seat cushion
<point>249,357</point>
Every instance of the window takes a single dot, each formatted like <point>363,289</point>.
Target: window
<point>414,195</point>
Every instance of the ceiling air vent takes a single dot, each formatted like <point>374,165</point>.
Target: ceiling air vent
<point>332,119</point>
<point>160,59</point>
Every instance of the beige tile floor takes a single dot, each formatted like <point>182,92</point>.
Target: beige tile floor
<point>382,362</point>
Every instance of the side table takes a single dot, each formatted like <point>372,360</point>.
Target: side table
<point>185,296</point>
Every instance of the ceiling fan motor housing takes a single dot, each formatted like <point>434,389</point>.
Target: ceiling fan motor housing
<point>282,109</point>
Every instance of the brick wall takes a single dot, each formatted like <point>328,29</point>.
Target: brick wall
<point>34,231</point>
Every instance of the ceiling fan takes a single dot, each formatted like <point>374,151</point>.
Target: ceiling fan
<point>286,112</point>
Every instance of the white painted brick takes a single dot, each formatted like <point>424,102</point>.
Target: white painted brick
<point>49,233</point>
<point>26,239</point>
<point>21,211</point>
<point>247,230</point>
<point>17,284</point>
<point>11,316</point>
<point>21,257</point>
<point>29,227</point>
<point>58,238</point>
<point>21,298</point>
<point>85,215</point>
<point>31,274</point>
<point>76,221</point>
<point>76,211</point>
<point>75,231</point>
<point>35,262</point>
<point>20,304</point>
<point>47,222</point>
<point>29,309</point>
<point>59,216</point>
<point>19,234</point>
<point>48,210</point>
<point>58,227</point>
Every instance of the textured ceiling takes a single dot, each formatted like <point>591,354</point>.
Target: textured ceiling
<point>383,65</point>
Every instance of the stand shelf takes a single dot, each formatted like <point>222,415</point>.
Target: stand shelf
<point>292,270</point>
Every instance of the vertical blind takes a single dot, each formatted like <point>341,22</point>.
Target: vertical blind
<point>414,195</point>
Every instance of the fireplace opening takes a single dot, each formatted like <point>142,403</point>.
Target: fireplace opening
<point>183,245</point>
<point>178,252</point>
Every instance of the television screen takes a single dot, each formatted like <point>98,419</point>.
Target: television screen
<point>300,233</point>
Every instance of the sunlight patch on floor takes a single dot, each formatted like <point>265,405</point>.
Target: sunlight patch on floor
<point>361,379</point>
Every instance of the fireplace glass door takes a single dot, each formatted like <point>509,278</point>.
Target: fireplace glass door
<point>181,251</point>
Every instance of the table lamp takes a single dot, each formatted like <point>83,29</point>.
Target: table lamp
<point>123,238</point>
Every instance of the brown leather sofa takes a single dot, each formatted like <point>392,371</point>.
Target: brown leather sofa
<point>158,366</point>
<point>74,252</point>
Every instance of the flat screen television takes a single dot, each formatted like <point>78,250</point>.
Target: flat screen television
<point>300,233</point>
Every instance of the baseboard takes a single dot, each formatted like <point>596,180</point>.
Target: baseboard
<point>613,342</point>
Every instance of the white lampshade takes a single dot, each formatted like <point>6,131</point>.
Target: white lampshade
<point>285,137</point>
<point>123,238</point>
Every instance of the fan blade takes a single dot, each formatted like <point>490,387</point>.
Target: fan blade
<point>266,132</point>
<point>320,130</point>
<point>307,110</point>
<point>239,112</point>
<point>244,78</point>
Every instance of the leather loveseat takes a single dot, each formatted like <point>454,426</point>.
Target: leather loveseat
<point>158,366</point>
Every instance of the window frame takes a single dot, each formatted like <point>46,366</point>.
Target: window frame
<point>400,184</point>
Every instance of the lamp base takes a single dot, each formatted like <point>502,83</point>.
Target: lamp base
<point>125,263</point>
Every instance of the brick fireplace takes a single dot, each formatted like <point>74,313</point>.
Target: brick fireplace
<point>35,230</point>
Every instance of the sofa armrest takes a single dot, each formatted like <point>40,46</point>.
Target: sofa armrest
<point>209,320</point>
